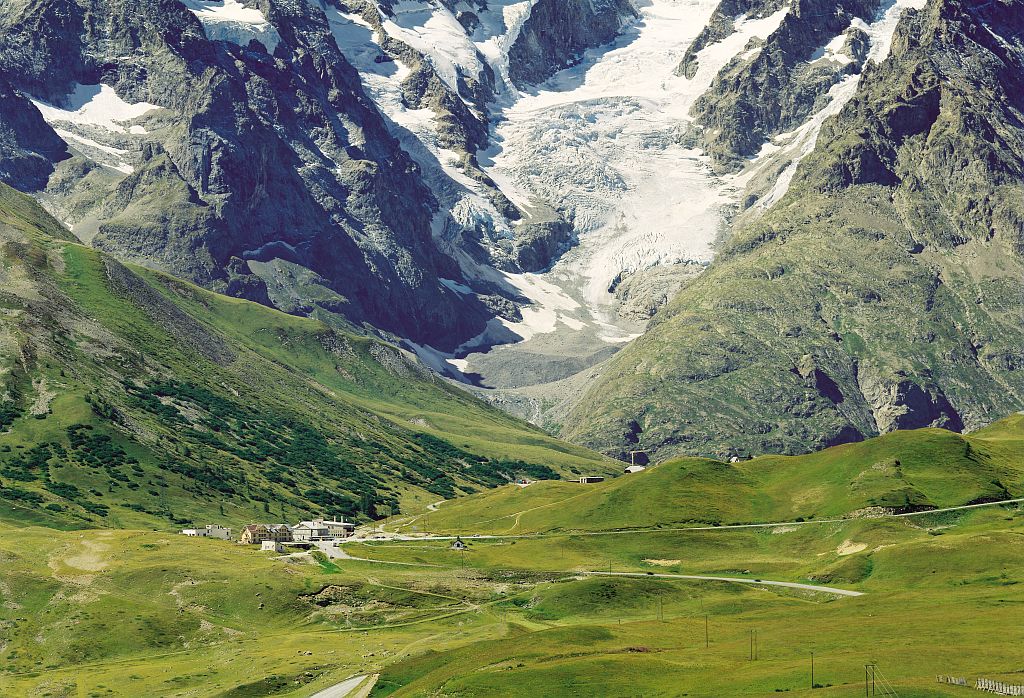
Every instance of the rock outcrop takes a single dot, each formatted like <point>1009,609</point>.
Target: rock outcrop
<point>559,31</point>
<point>28,147</point>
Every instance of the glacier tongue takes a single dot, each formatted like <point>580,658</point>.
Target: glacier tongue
<point>601,142</point>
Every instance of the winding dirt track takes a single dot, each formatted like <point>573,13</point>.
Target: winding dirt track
<point>734,580</point>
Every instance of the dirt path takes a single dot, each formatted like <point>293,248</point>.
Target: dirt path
<point>731,580</point>
<point>724,527</point>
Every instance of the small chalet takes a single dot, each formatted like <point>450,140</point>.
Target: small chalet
<point>458,544</point>
<point>590,479</point>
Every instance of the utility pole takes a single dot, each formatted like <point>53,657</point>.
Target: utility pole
<point>869,679</point>
<point>707,638</point>
<point>812,671</point>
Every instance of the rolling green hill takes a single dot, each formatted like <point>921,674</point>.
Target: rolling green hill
<point>131,399</point>
<point>908,470</point>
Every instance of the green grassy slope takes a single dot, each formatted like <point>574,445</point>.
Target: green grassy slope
<point>907,470</point>
<point>131,399</point>
<point>125,613</point>
<point>938,592</point>
<point>128,613</point>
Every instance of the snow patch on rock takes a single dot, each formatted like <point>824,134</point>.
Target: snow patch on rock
<point>96,105</point>
<point>463,202</point>
<point>94,113</point>
<point>798,144</point>
<point>500,26</point>
<point>433,31</point>
<point>103,154</point>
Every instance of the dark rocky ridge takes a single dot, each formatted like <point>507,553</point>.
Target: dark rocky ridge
<point>558,31</point>
<point>262,149</point>
<point>722,25</point>
<point>778,88</point>
<point>28,146</point>
<point>283,159</point>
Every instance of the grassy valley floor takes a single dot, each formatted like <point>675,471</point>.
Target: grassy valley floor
<point>126,613</point>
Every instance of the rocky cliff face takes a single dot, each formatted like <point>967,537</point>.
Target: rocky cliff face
<point>882,291</point>
<point>776,84</point>
<point>558,31</point>
<point>28,147</point>
<point>245,157</point>
<point>261,148</point>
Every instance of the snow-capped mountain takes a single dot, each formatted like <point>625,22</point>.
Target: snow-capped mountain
<point>512,188</point>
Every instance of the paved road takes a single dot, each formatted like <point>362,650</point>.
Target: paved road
<point>735,580</point>
<point>349,688</point>
<point>725,527</point>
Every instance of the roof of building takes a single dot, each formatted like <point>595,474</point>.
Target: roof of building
<point>268,527</point>
<point>324,524</point>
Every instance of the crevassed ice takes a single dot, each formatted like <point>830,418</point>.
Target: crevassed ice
<point>601,142</point>
<point>230,20</point>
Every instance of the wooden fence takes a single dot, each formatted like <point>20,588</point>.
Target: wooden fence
<point>1003,689</point>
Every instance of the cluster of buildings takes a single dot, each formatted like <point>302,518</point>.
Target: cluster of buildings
<point>275,536</point>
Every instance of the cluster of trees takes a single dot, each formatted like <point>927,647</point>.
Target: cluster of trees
<point>8,413</point>
<point>31,465</point>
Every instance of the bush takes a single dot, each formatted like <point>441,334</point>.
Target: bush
<point>15,494</point>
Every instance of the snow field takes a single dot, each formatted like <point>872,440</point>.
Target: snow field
<point>91,110</point>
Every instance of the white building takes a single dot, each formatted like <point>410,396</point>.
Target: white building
<point>636,469</point>
<point>319,529</point>
<point>272,546</point>
<point>211,531</point>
